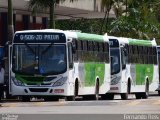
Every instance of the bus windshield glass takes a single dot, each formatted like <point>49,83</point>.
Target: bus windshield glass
<point>115,60</point>
<point>49,59</point>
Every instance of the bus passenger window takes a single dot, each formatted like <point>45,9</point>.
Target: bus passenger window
<point>123,58</point>
<point>70,56</point>
<point>106,52</point>
<point>75,49</point>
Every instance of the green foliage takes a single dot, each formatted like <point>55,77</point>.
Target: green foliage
<point>135,25</point>
<point>134,18</point>
<point>85,25</point>
<point>140,21</point>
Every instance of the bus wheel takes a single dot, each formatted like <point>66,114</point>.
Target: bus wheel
<point>96,96</point>
<point>159,93</point>
<point>108,96</point>
<point>138,95</point>
<point>25,98</point>
<point>88,97</point>
<point>124,96</point>
<point>70,98</point>
<point>51,98</point>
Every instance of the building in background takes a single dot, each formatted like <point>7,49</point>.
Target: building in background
<point>24,20</point>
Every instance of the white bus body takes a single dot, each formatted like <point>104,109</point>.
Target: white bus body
<point>135,70</point>
<point>34,73</point>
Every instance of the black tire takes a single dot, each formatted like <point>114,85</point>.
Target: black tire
<point>25,99</point>
<point>8,96</point>
<point>138,95</point>
<point>129,87</point>
<point>124,96</point>
<point>96,96</point>
<point>159,93</point>
<point>108,96</point>
<point>76,88</point>
<point>89,97</point>
<point>145,95</point>
<point>51,98</point>
<point>104,97</point>
<point>70,98</point>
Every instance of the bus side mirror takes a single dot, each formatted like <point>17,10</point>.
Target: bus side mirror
<point>125,52</point>
<point>70,54</point>
<point>111,59</point>
<point>73,49</point>
<point>8,43</point>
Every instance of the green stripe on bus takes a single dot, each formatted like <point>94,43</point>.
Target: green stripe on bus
<point>29,79</point>
<point>140,42</point>
<point>85,36</point>
<point>143,70</point>
<point>92,70</point>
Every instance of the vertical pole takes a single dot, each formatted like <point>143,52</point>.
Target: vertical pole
<point>10,38</point>
<point>10,21</point>
<point>95,5</point>
<point>52,20</point>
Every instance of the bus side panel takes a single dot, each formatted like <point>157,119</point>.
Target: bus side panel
<point>143,71</point>
<point>93,70</point>
<point>105,87</point>
<point>155,82</point>
<point>139,73</point>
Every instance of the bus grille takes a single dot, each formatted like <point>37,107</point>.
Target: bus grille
<point>42,84</point>
<point>38,89</point>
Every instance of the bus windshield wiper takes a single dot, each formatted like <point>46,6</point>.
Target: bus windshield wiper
<point>47,48</point>
<point>29,48</point>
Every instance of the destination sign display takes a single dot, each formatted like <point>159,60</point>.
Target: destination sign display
<point>113,43</point>
<point>39,37</point>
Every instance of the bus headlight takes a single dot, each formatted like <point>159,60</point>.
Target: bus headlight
<point>17,82</point>
<point>60,82</point>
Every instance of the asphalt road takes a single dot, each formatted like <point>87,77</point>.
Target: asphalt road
<point>150,106</point>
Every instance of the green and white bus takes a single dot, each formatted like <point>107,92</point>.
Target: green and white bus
<point>134,67</point>
<point>54,63</point>
<point>158,50</point>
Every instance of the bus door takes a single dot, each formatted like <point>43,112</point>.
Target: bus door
<point>158,50</point>
<point>123,58</point>
<point>115,61</point>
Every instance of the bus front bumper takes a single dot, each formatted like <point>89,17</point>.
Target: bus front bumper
<point>38,91</point>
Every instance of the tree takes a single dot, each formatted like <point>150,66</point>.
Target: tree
<point>43,5</point>
<point>140,21</point>
<point>10,21</point>
<point>107,5</point>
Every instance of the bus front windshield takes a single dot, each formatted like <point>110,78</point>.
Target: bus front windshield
<point>115,60</point>
<point>39,59</point>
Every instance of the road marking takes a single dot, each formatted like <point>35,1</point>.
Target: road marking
<point>133,103</point>
<point>157,102</point>
<point>11,105</point>
<point>61,103</point>
<point>38,103</point>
